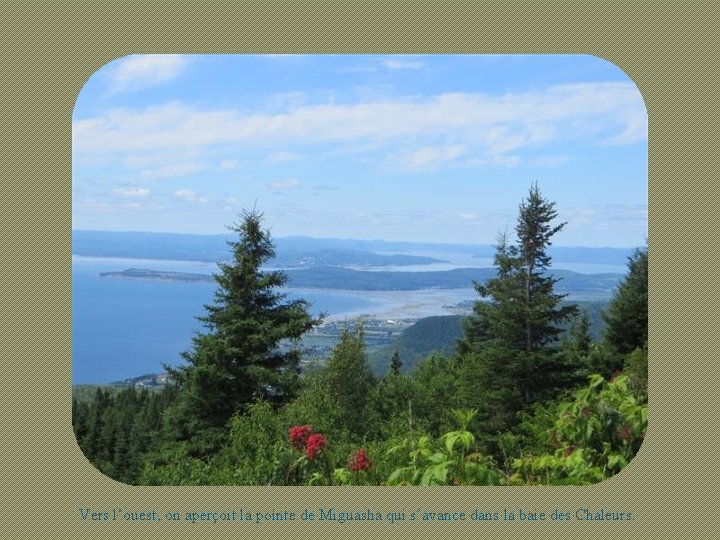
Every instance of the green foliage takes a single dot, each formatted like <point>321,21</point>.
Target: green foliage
<point>176,467</point>
<point>258,447</point>
<point>636,368</point>
<point>429,335</point>
<point>238,360</point>
<point>393,404</point>
<point>436,382</point>
<point>115,430</point>
<point>348,380</point>
<point>395,363</point>
<point>579,339</point>
<point>532,435</point>
<point>449,463</point>
<point>627,315</point>
<point>596,435</point>
<point>593,309</point>
<point>243,413</point>
<point>522,316</point>
<point>489,382</point>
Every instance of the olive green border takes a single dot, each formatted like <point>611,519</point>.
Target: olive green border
<point>48,51</point>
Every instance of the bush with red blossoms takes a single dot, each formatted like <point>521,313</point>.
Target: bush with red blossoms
<point>314,443</point>
<point>359,461</point>
<point>299,436</point>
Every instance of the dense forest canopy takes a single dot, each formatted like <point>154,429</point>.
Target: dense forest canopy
<point>523,394</point>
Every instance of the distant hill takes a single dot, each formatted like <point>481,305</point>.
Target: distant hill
<point>213,248</point>
<point>585,285</point>
<point>289,258</point>
<point>440,334</point>
<point>428,335</point>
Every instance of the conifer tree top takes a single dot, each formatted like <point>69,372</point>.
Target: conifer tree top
<point>240,358</point>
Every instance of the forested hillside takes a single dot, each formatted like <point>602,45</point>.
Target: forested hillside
<point>429,335</point>
<point>440,334</point>
<point>520,392</point>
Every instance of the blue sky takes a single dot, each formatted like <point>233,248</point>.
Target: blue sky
<point>433,148</point>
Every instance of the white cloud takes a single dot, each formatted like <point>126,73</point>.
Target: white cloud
<point>430,157</point>
<point>188,195</point>
<point>145,70</point>
<point>635,214</point>
<point>132,192</point>
<point>492,125</point>
<point>402,63</point>
<point>282,157</point>
<point>228,164</point>
<point>283,185</point>
<point>104,205</point>
<point>171,171</point>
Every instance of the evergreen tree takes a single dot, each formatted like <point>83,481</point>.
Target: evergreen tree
<point>516,328</point>
<point>523,315</point>
<point>91,443</point>
<point>239,359</point>
<point>578,344</point>
<point>80,411</point>
<point>395,363</point>
<point>626,317</point>
<point>501,318</point>
<point>543,313</point>
<point>579,334</point>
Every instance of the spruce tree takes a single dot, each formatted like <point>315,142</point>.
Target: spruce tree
<point>512,339</point>
<point>499,318</point>
<point>239,359</point>
<point>395,363</point>
<point>580,340</point>
<point>626,317</point>
<point>543,314</point>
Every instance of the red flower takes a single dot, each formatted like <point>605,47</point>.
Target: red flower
<point>314,443</point>
<point>360,461</point>
<point>299,436</point>
<point>625,432</point>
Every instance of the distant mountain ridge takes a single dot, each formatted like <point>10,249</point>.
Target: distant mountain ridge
<point>293,249</point>
<point>458,278</point>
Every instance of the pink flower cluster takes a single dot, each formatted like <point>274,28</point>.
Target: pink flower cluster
<point>302,438</point>
<point>315,442</point>
<point>299,436</point>
<point>359,461</point>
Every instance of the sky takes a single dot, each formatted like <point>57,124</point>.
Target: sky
<point>420,148</point>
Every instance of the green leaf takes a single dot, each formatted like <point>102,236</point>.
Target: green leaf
<point>467,439</point>
<point>398,475</point>
<point>438,457</point>
<point>450,440</point>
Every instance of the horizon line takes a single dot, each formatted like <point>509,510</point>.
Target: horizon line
<point>459,244</point>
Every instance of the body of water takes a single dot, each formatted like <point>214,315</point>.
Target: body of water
<point>123,328</point>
